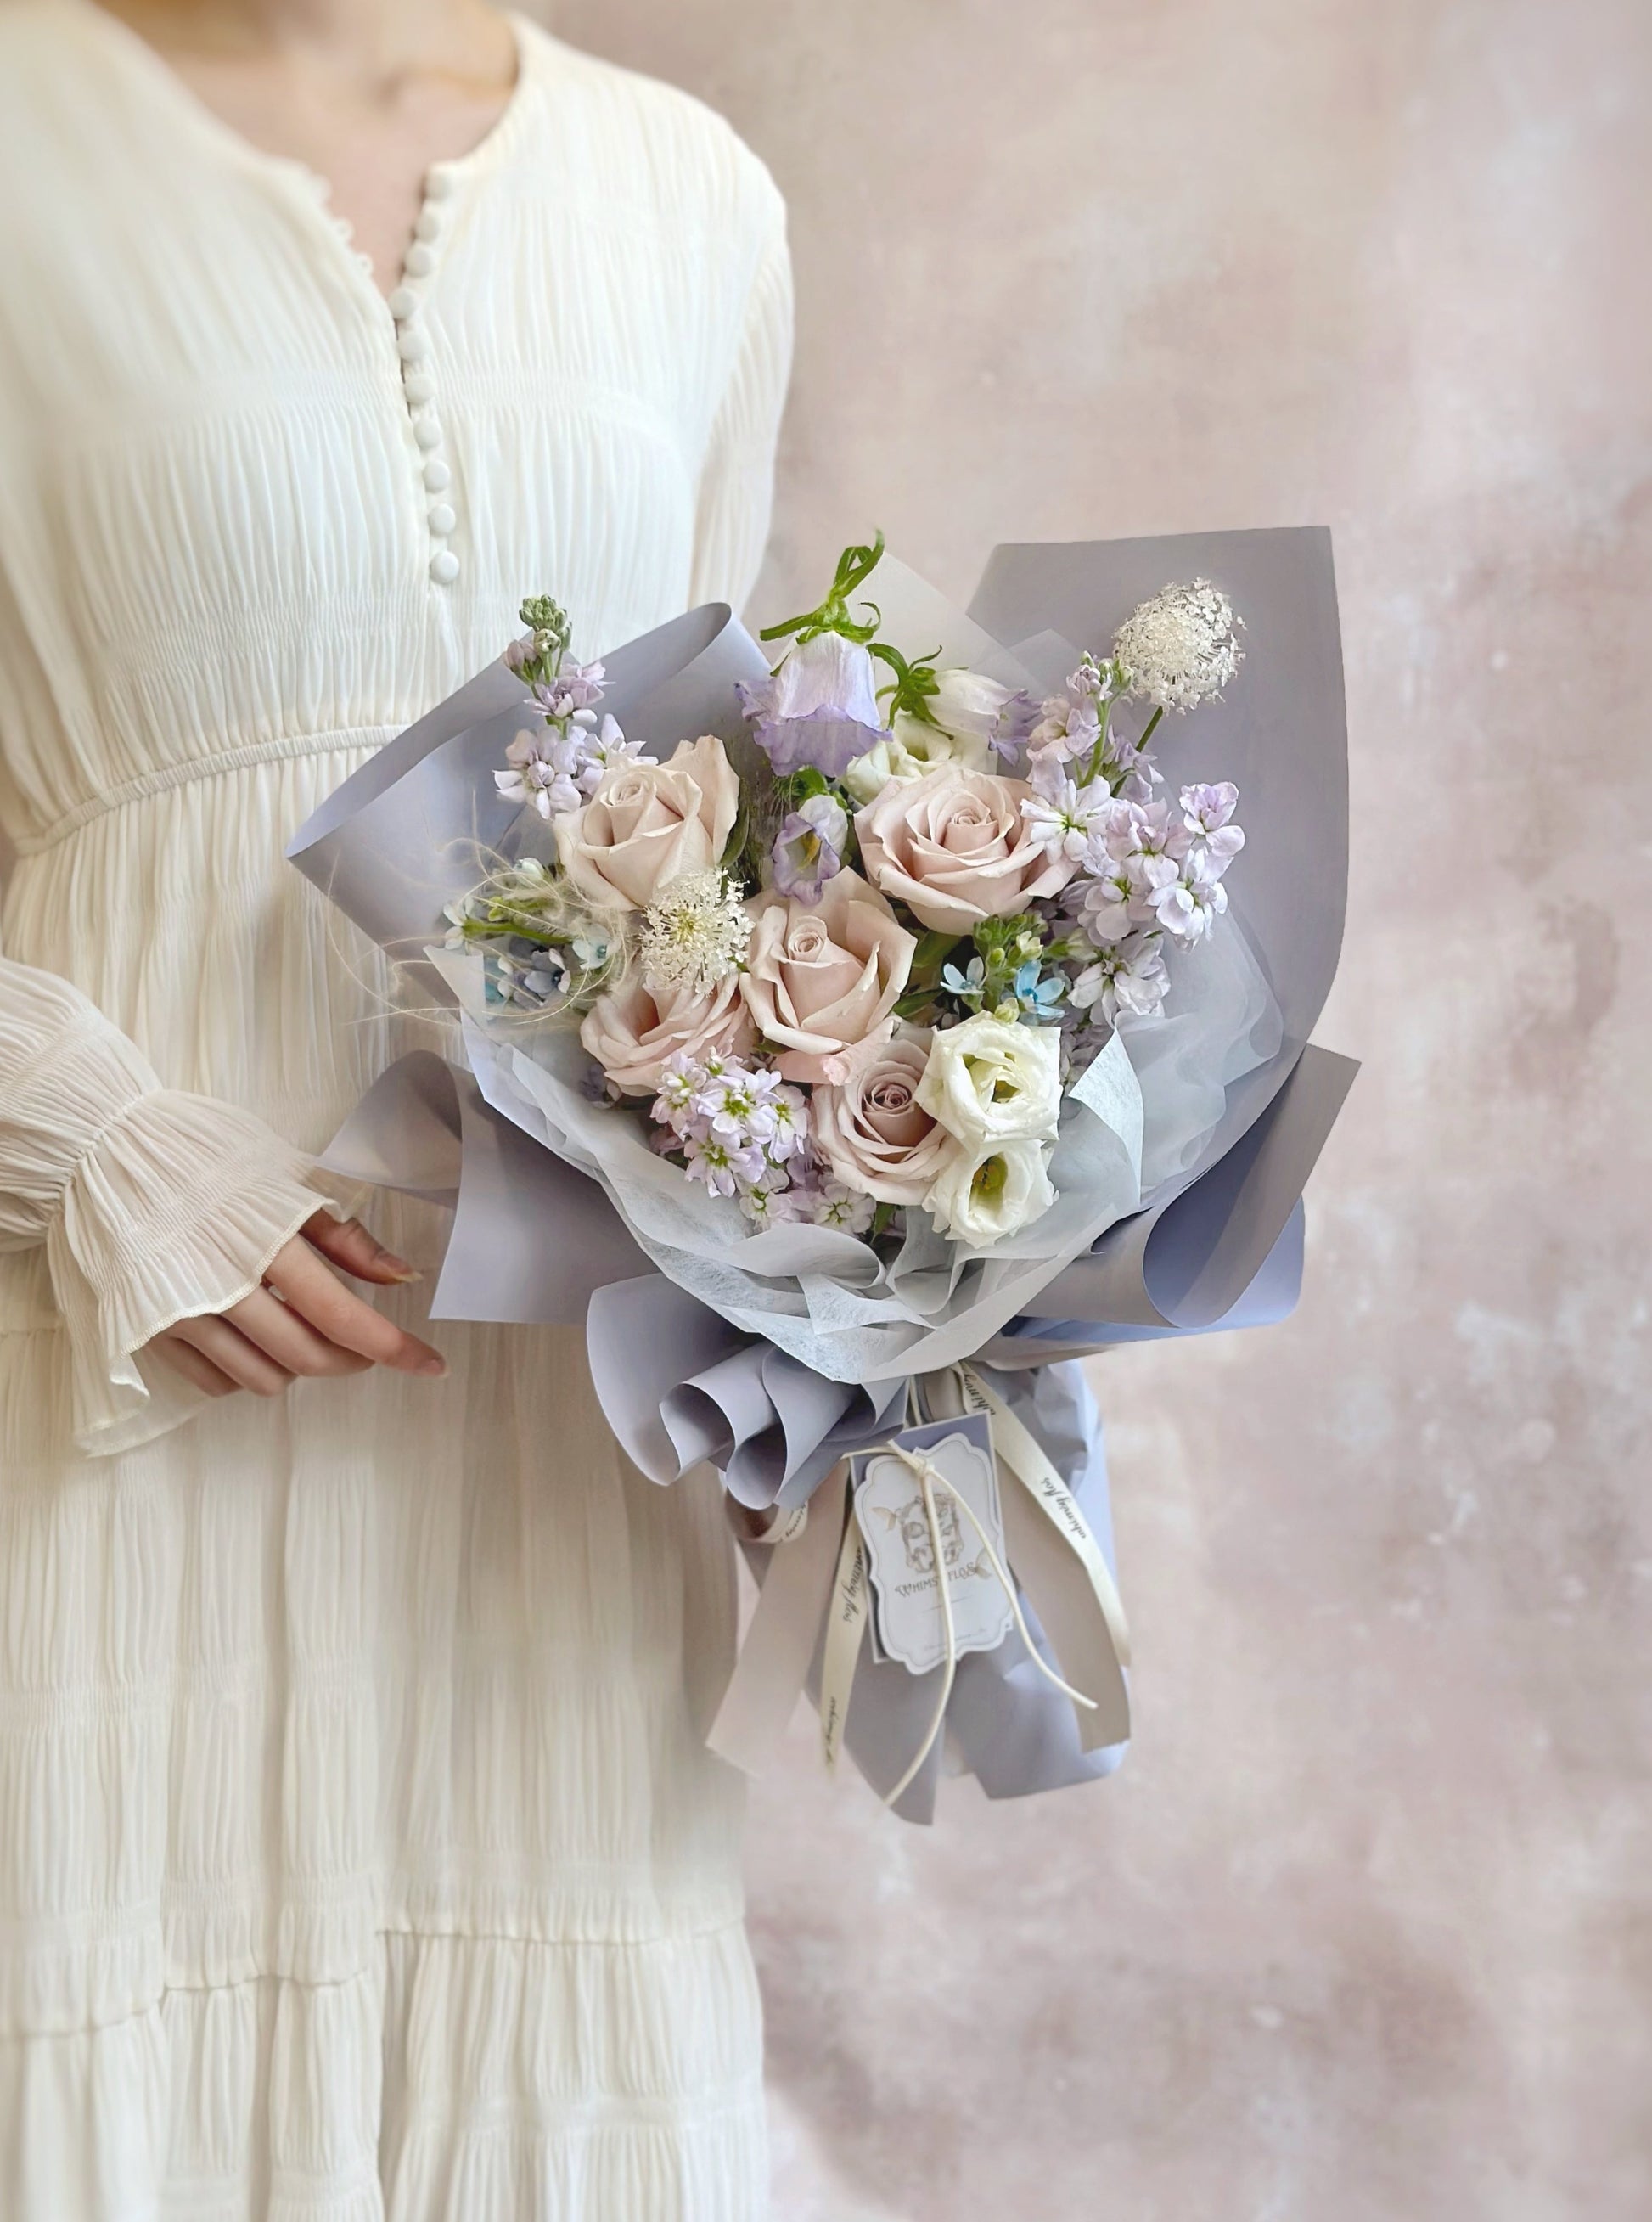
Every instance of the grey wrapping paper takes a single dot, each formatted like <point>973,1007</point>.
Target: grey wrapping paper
<point>1220,1252</point>
<point>534,1241</point>
<point>1280,734</point>
<point>531,1238</point>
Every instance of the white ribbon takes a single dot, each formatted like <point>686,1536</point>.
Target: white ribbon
<point>1060,1566</point>
<point>850,1605</point>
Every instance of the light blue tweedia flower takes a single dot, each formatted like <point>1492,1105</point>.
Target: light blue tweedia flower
<point>1038,998</point>
<point>968,986</point>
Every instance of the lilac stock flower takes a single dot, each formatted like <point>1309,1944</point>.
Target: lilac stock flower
<point>1146,829</point>
<point>576,689</point>
<point>1189,905</point>
<point>808,848</point>
<point>1127,979</point>
<point>725,1169</point>
<point>819,707</point>
<point>542,773</point>
<point>681,1078</point>
<point>787,1136</point>
<point>1207,812</point>
<point>1068,726</point>
<point>743,1130</point>
<point>561,767</point>
<point>1069,820</point>
<point>1102,905</point>
<point>847,1209</point>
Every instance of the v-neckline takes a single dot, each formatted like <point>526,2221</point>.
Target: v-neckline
<point>311,186</point>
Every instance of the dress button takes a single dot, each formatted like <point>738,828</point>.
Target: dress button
<point>428,433</point>
<point>401,304</point>
<point>412,346</point>
<point>444,568</point>
<point>418,262</point>
<point>419,385</point>
<point>436,474</point>
<point>438,185</point>
<point>442,519</point>
<point>426,224</point>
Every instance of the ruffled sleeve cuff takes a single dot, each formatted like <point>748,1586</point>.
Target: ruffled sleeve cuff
<point>175,1208</point>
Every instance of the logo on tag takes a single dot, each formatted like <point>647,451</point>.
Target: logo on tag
<point>901,1539</point>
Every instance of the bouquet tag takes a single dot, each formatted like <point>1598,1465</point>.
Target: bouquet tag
<point>900,1547</point>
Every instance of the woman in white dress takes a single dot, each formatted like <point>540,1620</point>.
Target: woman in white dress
<point>358,1853</point>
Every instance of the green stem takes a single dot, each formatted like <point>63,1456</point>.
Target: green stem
<point>1099,749</point>
<point>1147,729</point>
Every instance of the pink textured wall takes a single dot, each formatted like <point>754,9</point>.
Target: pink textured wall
<point>1364,1929</point>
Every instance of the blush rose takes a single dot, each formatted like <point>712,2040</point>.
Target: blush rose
<point>872,1132</point>
<point>821,979</point>
<point>648,825</point>
<point>632,1030</point>
<point>954,848</point>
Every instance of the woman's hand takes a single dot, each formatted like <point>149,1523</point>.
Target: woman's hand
<point>303,1319</point>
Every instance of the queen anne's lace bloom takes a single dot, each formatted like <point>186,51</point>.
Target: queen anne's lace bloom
<point>1180,649</point>
<point>694,933</point>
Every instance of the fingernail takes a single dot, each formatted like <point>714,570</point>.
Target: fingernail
<point>404,1273</point>
<point>434,1366</point>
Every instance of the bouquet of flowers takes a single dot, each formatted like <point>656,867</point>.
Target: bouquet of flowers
<point>855,988</point>
<point>887,996</point>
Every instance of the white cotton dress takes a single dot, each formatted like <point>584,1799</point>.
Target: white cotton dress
<point>360,1855</point>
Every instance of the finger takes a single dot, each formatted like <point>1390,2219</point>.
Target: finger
<point>230,1352</point>
<point>310,1288</point>
<point>278,1331</point>
<point>349,1244</point>
<point>184,1359</point>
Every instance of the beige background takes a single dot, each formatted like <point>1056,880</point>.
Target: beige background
<point>1364,1929</point>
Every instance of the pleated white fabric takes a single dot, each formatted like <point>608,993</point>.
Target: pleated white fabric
<point>360,1856</point>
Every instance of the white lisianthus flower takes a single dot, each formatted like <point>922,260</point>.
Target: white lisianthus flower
<point>867,776</point>
<point>983,1195</point>
<point>963,716</point>
<point>993,1080</point>
<point>966,707</point>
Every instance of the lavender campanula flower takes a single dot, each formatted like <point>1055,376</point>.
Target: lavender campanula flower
<point>819,707</point>
<point>1012,728</point>
<point>808,848</point>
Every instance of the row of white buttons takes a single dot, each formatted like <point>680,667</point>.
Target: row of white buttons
<point>417,384</point>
